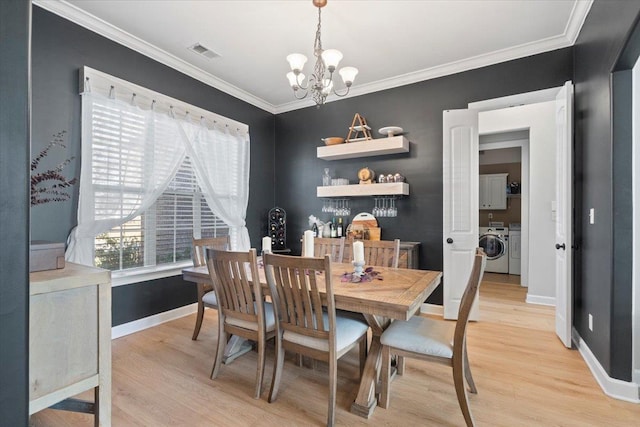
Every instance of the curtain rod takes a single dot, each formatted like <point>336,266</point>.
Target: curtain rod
<point>92,80</point>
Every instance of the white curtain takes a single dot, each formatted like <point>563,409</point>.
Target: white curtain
<point>220,157</point>
<point>130,155</point>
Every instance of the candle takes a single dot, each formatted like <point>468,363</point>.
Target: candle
<point>358,251</point>
<point>307,242</point>
<point>266,244</point>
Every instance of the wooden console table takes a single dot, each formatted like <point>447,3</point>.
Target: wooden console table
<point>70,340</point>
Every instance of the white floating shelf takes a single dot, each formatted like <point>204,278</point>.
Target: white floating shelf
<point>371,147</point>
<point>386,189</point>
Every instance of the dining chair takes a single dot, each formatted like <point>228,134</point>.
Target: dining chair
<point>436,340</point>
<point>329,246</point>
<point>381,253</point>
<point>296,284</point>
<point>206,295</point>
<point>242,310</point>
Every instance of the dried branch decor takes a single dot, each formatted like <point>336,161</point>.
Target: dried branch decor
<point>49,186</point>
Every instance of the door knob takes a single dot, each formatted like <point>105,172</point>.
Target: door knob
<point>560,246</point>
<point>449,240</point>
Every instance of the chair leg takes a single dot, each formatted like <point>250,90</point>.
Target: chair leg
<point>467,372</point>
<point>461,390</point>
<point>222,342</point>
<point>400,365</point>
<point>260,371</point>
<point>333,388</point>
<point>385,373</point>
<point>278,365</point>
<point>200,314</point>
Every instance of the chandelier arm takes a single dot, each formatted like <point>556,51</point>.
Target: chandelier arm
<point>295,94</point>
<point>335,92</point>
<point>299,83</point>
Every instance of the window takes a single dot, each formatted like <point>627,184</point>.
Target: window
<point>163,233</point>
<point>155,173</point>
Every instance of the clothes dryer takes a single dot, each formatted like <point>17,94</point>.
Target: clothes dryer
<point>514,252</point>
<point>495,243</point>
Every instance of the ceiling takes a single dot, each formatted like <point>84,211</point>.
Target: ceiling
<point>392,43</point>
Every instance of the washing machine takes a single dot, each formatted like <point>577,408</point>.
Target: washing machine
<point>495,243</point>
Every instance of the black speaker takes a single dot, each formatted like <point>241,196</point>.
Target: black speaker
<point>277,229</point>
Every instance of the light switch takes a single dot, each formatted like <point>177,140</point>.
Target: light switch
<point>592,216</point>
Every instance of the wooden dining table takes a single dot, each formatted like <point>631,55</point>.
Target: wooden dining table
<point>397,296</point>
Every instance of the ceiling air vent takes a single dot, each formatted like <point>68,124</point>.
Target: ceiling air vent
<point>204,51</point>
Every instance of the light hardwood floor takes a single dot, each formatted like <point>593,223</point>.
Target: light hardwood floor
<point>525,377</point>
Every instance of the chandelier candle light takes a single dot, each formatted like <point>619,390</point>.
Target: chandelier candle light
<point>319,84</point>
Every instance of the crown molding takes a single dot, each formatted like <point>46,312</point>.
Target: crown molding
<point>568,38</point>
<point>455,67</point>
<point>111,32</point>
<point>579,13</point>
<point>68,11</point>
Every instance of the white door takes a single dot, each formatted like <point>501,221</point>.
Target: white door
<point>460,205</point>
<point>563,214</point>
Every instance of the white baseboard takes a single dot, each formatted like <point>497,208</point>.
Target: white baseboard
<point>612,387</point>
<point>540,300</point>
<point>155,320</point>
<point>427,308</point>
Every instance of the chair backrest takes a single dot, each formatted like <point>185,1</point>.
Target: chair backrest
<point>233,274</point>
<point>382,253</point>
<point>468,298</point>
<point>295,284</point>
<point>328,246</point>
<point>200,245</point>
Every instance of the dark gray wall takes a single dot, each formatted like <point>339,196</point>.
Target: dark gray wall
<point>15,28</point>
<point>603,181</point>
<point>417,108</point>
<point>60,49</point>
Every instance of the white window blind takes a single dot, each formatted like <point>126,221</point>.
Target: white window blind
<point>155,173</point>
<point>164,233</point>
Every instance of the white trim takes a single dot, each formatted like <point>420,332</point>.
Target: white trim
<point>434,309</point>
<point>576,20</point>
<point>103,28</point>
<point>543,95</point>
<point>151,321</point>
<point>612,387</point>
<point>540,300</point>
<point>635,192</point>
<point>137,275</point>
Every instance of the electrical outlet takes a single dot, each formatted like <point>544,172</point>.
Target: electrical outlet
<point>490,215</point>
<point>590,322</point>
<point>592,216</point>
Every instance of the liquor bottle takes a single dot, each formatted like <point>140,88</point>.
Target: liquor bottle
<point>326,178</point>
<point>314,228</point>
<point>340,230</point>
<point>334,231</point>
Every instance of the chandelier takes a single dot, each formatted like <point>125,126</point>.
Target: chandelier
<point>320,83</point>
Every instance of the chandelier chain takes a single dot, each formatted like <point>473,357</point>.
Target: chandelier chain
<point>317,45</point>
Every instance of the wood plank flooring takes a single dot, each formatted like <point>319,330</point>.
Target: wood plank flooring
<point>525,377</point>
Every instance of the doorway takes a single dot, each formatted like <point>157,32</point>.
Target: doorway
<point>505,154</point>
<point>546,193</point>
